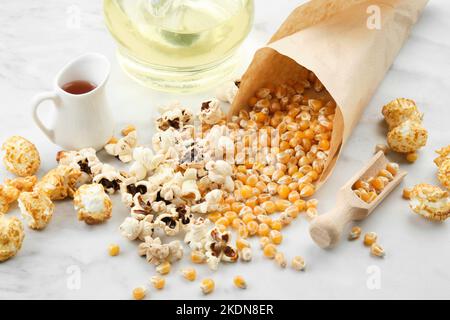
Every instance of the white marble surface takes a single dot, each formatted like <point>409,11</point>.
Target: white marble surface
<point>37,38</point>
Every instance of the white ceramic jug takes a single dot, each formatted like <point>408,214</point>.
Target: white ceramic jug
<point>81,120</point>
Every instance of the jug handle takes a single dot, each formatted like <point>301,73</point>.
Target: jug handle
<point>37,100</point>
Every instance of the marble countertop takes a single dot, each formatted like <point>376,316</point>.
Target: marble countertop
<point>69,260</point>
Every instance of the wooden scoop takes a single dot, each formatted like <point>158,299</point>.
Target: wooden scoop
<point>326,229</point>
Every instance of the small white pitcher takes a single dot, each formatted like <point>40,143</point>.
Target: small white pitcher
<point>81,120</point>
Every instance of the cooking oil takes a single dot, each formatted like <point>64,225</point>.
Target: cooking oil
<point>178,45</point>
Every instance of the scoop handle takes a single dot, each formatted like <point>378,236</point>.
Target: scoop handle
<point>326,229</point>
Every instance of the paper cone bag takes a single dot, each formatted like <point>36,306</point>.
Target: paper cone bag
<point>348,44</point>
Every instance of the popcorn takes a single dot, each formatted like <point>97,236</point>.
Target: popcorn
<point>443,163</point>
<point>123,149</point>
<point>174,221</point>
<point>189,188</point>
<point>406,133</point>
<point>85,160</point>
<point>211,113</point>
<point>213,202</point>
<point>218,248</point>
<point>110,179</point>
<point>220,172</point>
<point>8,195</point>
<point>36,208</point>
<point>197,232</point>
<point>176,118</point>
<point>430,202</point>
<point>59,183</point>
<point>157,253</point>
<point>92,204</point>
<point>23,184</point>
<point>11,237</point>
<point>130,187</point>
<point>145,162</point>
<point>228,91</point>
<point>132,228</point>
<point>407,137</point>
<point>21,156</point>
<point>400,110</point>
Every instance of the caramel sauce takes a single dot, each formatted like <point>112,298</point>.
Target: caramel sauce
<point>78,87</point>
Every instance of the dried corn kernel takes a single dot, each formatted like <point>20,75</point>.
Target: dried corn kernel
<point>207,286</point>
<point>311,213</point>
<point>158,282</point>
<point>377,250</point>
<point>370,238</point>
<point>189,274</point>
<point>270,251</point>
<point>282,205</point>
<point>240,282</point>
<point>276,237</point>
<point>164,268</point>
<point>252,227</point>
<point>355,233</point>
<point>113,250</point>
<point>412,157</point>
<point>406,193</point>
<point>298,263</point>
<point>139,293</point>
<point>198,257</point>
<point>280,260</point>
<point>276,225</point>
<point>263,230</point>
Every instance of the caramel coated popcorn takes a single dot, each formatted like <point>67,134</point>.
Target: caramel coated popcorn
<point>443,163</point>
<point>92,204</point>
<point>59,183</point>
<point>21,156</point>
<point>11,237</point>
<point>430,201</point>
<point>406,132</point>
<point>36,208</point>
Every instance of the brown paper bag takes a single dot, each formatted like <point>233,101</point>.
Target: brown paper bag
<point>348,44</point>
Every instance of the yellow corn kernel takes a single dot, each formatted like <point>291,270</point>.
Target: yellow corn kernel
<point>246,218</point>
<point>298,263</point>
<point>258,210</point>
<point>355,233</point>
<point>113,250</point>
<point>263,197</point>
<point>293,186</point>
<point>275,236</point>
<point>283,191</point>
<point>412,157</point>
<point>313,174</point>
<point>311,213</point>
<point>370,238</point>
<point>223,221</point>
<point>263,241</point>
<point>280,260</point>
<point>164,268</point>
<point>207,286</point>
<point>252,180</point>
<point>243,231</point>
<point>377,184</point>
<point>230,216</point>
<point>276,225</point>
<point>221,228</point>
<point>139,293</point>
<point>270,251</point>
<point>242,169</point>
<point>281,205</point>
<point>240,282</point>
<point>214,216</point>
<point>312,203</point>
<point>242,243</point>
<point>324,145</point>
<point>237,206</point>
<point>236,223</point>
<point>285,180</point>
<point>261,185</point>
<point>189,274</point>
<point>197,257</point>
<point>377,250</point>
<point>252,202</point>
<point>246,192</point>
<point>158,282</point>
<point>272,188</point>
<point>392,167</point>
<point>269,206</point>
<point>129,128</point>
<point>294,196</point>
<point>359,184</point>
<point>252,227</point>
<point>292,211</point>
<point>385,173</point>
<point>245,210</point>
<point>307,191</point>
<point>406,193</point>
<point>300,204</point>
<point>263,230</point>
